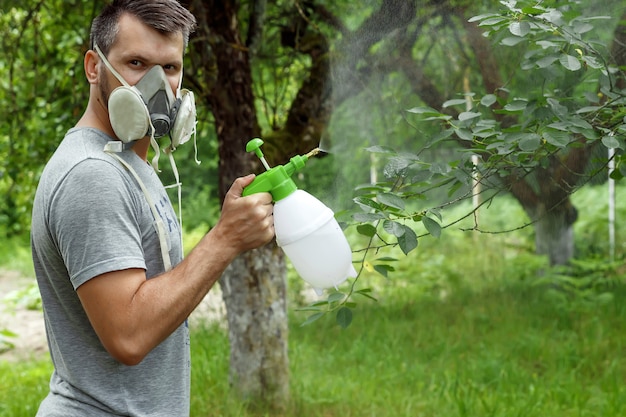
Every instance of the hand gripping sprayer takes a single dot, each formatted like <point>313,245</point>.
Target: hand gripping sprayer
<point>305,228</point>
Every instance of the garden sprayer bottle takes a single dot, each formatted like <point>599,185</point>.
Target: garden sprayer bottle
<point>305,228</point>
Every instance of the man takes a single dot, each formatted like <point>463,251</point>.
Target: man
<point>104,232</point>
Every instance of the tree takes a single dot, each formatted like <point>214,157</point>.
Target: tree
<point>535,143</point>
<point>254,285</point>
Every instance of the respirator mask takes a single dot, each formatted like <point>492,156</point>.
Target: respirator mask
<point>149,108</point>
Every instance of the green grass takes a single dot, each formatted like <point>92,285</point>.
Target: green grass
<point>23,384</point>
<point>510,351</point>
<point>506,352</point>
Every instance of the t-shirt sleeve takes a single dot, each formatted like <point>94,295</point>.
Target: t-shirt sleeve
<point>94,218</point>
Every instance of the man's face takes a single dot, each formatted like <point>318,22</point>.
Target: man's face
<point>136,50</point>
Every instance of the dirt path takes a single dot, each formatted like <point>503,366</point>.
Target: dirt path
<point>29,327</point>
<point>26,324</point>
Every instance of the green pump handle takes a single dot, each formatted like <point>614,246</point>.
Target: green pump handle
<point>276,181</point>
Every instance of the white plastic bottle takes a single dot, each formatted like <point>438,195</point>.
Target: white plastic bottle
<point>305,228</point>
<point>312,240</point>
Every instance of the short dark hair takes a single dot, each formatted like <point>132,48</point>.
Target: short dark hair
<point>165,16</point>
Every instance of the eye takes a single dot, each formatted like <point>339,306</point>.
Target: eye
<point>135,63</point>
<point>171,68</point>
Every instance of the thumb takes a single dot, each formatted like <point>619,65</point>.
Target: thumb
<point>240,183</point>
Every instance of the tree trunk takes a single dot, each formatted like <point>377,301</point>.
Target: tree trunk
<point>257,327</point>
<point>554,232</point>
<point>254,286</point>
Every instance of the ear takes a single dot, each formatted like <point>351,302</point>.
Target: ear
<point>92,68</point>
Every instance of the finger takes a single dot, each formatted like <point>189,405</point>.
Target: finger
<point>240,183</point>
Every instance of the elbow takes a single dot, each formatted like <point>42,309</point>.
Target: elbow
<point>125,351</point>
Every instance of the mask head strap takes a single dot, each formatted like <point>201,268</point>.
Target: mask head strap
<point>110,67</point>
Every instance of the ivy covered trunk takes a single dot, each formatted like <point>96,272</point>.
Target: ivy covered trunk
<point>254,286</point>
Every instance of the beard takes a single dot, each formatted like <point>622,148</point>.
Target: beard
<point>105,90</point>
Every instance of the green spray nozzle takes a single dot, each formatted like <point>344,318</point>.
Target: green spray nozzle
<point>276,181</point>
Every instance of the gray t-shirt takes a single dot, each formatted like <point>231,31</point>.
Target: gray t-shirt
<point>91,217</point>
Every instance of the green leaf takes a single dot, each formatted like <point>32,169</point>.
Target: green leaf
<point>468,115</point>
<point>393,228</point>
<point>533,10</point>
<point>396,166</point>
<point>366,230</point>
<point>432,226</point>
<point>7,333</point>
<point>464,134</point>
<point>488,100</point>
<point>570,62</point>
<point>511,40</point>
<point>336,297</point>
<point>391,200</point>
<point>610,142</point>
<point>454,102</point>
<point>408,241</point>
<point>367,203</point>
<point>312,318</point>
<point>482,16</point>
<point>519,28</point>
<point>557,138</point>
<point>546,61</point>
<point>344,317</point>
<point>366,293</point>
<point>383,269</point>
<point>367,217</point>
<point>424,110</point>
<point>530,143</point>
<point>516,105</point>
<point>492,21</point>
<point>309,308</point>
<point>380,149</point>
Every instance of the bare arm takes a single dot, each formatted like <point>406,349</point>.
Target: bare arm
<point>132,314</point>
